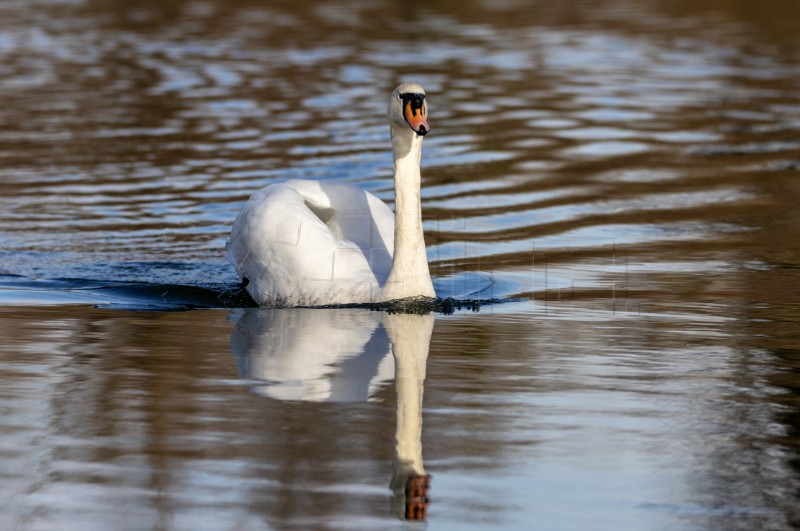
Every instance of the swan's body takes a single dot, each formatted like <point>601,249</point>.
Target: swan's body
<point>313,243</point>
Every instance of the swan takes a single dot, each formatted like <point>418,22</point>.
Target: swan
<point>317,243</point>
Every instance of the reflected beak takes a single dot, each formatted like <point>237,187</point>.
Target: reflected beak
<point>415,112</point>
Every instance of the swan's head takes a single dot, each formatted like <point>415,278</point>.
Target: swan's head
<point>407,108</point>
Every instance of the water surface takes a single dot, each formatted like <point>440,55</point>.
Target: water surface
<point>619,177</point>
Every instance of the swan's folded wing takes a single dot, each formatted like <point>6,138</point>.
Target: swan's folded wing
<point>352,213</point>
<point>291,257</point>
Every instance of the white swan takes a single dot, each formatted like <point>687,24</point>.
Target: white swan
<point>313,243</point>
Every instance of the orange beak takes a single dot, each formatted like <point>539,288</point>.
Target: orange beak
<point>416,114</point>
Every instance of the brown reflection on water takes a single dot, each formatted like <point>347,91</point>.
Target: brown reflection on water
<point>674,418</point>
<point>695,388</point>
<point>145,412</point>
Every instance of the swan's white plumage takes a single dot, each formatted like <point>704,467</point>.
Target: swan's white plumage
<point>311,243</point>
<point>314,243</point>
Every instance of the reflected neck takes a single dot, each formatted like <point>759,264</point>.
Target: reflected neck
<point>409,276</point>
<point>410,336</point>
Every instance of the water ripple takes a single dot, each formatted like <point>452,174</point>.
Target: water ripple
<point>564,137</point>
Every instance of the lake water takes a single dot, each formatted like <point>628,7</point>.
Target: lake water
<point>617,181</point>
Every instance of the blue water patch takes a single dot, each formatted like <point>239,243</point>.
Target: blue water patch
<point>18,290</point>
<point>467,291</point>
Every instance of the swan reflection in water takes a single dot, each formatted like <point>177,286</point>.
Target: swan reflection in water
<point>345,355</point>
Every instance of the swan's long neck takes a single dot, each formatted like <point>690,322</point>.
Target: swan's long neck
<point>409,276</point>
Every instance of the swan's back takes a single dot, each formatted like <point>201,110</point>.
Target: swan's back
<point>312,243</point>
